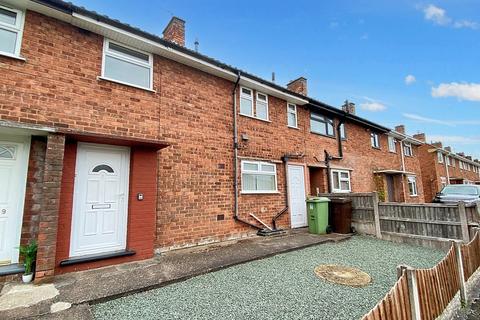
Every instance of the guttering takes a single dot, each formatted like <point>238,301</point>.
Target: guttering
<point>235,158</point>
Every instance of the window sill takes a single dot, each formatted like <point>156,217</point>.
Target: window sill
<point>394,152</point>
<point>323,135</point>
<point>296,128</point>
<point>252,117</point>
<point>414,196</point>
<point>12,56</point>
<point>260,192</point>
<point>376,148</point>
<point>125,84</point>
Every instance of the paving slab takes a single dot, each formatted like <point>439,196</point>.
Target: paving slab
<point>93,286</point>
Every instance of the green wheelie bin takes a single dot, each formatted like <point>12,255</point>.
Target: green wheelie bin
<point>317,211</point>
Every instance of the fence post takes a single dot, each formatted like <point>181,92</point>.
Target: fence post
<point>463,220</point>
<point>376,215</point>
<point>400,270</point>
<point>461,275</point>
<point>413,293</point>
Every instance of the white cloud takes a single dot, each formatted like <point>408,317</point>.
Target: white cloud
<point>440,17</point>
<point>452,123</point>
<point>455,139</point>
<point>437,15</point>
<point>463,91</point>
<point>410,79</point>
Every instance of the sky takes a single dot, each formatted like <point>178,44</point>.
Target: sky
<point>402,62</point>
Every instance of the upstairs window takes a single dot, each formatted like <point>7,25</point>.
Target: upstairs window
<point>453,162</point>
<point>375,140</point>
<point>391,144</point>
<point>343,133</point>
<point>460,164</point>
<point>246,102</point>
<point>261,106</point>
<point>292,115</point>
<point>127,66</point>
<point>259,177</point>
<point>412,185</point>
<point>321,124</point>
<point>407,149</point>
<point>11,29</point>
<point>341,181</point>
<point>440,157</point>
<point>449,163</point>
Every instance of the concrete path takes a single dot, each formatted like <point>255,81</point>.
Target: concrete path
<point>83,288</point>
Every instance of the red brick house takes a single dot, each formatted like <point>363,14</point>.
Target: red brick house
<point>115,143</point>
<point>440,166</point>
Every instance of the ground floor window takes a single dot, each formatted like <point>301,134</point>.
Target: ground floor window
<point>259,177</point>
<point>412,185</point>
<point>341,181</point>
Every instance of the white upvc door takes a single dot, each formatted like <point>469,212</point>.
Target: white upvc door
<point>100,202</point>
<point>14,152</point>
<point>297,196</point>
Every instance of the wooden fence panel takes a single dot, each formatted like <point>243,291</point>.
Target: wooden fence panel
<point>471,256</point>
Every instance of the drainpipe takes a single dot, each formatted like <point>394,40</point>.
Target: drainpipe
<point>287,204</point>
<point>403,170</point>
<point>328,157</point>
<point>327,164</point>
<point>446,169</point>
<point>235,157</point>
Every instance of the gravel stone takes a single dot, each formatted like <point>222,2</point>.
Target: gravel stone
<point>281,287</point>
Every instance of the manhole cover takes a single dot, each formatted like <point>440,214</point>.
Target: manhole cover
<point>347,276</point>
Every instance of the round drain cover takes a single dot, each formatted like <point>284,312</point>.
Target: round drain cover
<point>347,276</point>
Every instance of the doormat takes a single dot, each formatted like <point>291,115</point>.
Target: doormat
<point>343,275</point>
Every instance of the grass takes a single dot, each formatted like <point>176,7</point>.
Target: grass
<point>280,287</point>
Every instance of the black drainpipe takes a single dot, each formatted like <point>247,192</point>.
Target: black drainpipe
<point>235,157</point>
<point>281,212</point>
<point>328,157</point>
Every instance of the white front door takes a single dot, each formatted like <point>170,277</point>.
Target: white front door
<point>13,174</point>
<point>297,196</point>
<point>99,222</point>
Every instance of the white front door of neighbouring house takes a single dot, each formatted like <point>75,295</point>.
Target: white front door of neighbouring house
<point>13,174</point>
<point>100,201</point>
<point>297,196</point>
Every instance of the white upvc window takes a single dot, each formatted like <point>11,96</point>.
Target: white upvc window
<point>261,106</point>
<point>440,157</point>
<point>341,181</point>
<point>449,162</point>
<point>343,133</point>
<point>322,125</point>
<point>259,177</point>
<point>443,181</point>
<point>460,164</point>
<point>412,185</point>
<point>127,65</point>
<point>11,31</point>
<point>246,102</point>
<point>407,149</point>
<point>392,144</point>
<point>375,140</point>
<point>453,162</point>
<point>292,120</point>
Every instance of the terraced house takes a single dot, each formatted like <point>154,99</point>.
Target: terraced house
<point>441,166</point>
<point>116,143</point>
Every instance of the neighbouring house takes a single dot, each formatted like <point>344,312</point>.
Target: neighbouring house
<point>441,166</point>
<point>116,143</point>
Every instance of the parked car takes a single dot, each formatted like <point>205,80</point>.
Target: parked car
<point>456,193</point>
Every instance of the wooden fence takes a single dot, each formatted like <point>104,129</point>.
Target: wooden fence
<point>425,293</point>
<point>427,224</point>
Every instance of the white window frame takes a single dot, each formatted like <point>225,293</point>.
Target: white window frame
<point>17,28</point>
<point>392,144</point>
<point>324,119</point>
<point>453,162</point>
<point>340,180</point>
<point>413,181</point>
<point>294,113</point>
<point>407,146</point>
<point>343,131</point>
<point>261,102</point>
<point>259,172</point>
<point>448,160</point>
<point>460,164</point>
<point>375,140</point>
<point>247,97</point>
<point>149,65</point>
<point>443,181</point>
<point>439,157</point>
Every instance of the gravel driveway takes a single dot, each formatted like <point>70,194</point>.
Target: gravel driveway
<point>281,287</point>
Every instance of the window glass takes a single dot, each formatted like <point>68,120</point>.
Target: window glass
<point>246,102</point>
<point>292,115</point>
<point>340,181</point>
<point>440,157</point>
<point>127,65</point>
<point>321,124</point>
<point>8,17</point>
<point>8,41</point>
<point>343,134</point>
<point>10,31</point>
<point>261,107</point>
<point>407,149</point>
<point>375,140</point>
<point>412,186</point>
<point>391,144</point>
<point>258,177</point>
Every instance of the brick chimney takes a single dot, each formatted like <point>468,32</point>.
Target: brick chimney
<point>468,157</point>
<point>299,86</point>
<point>349,107</point>
<point>461,154</point>
<point>420,137</point>
<point>175,31</point>
<point>400,129</point>
<point>437,144</point>
<point>449,149</point>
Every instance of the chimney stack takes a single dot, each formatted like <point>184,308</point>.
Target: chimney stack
<point>349,107</point>
<point>175,31</point>
<point>437,144</point>
<point>420,137</point>
<point>400,129</point>
<point>449,149</point>
<point>468,157</point>
<point>299,86</point>
<point>461,154</point>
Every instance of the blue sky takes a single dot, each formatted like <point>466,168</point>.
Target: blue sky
<point>402,62</point>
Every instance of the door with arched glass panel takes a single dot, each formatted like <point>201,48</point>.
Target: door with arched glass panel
<point>99,222</point>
